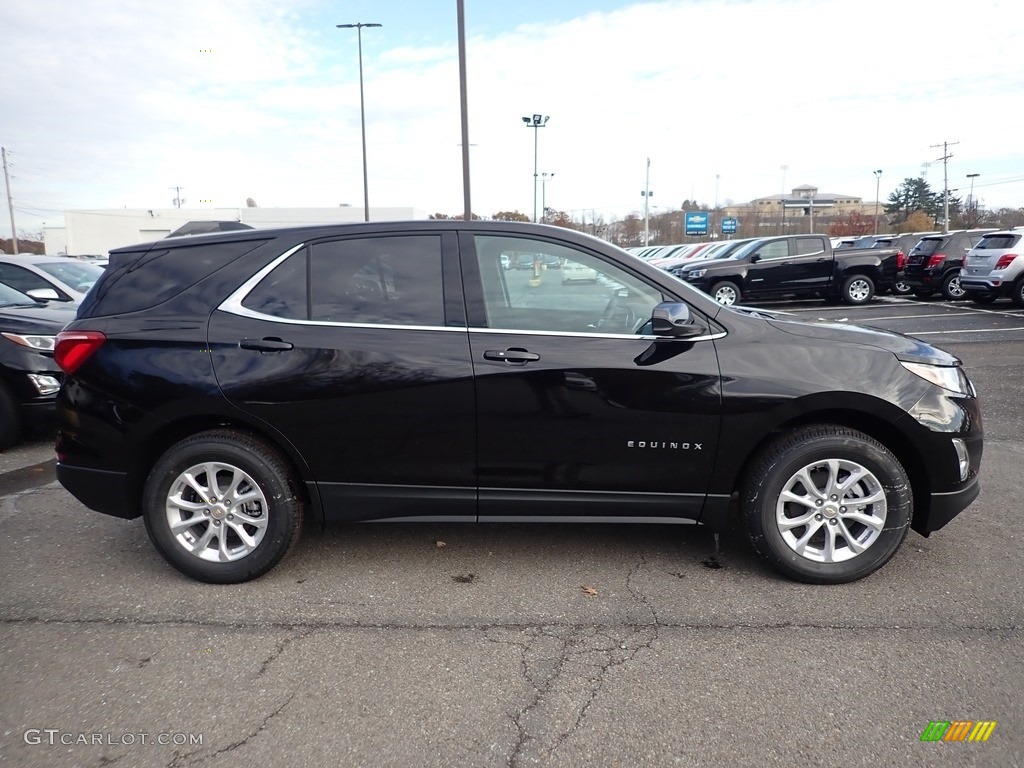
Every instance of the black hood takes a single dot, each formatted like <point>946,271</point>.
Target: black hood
<point>904,347</point>
<point>42,319</point>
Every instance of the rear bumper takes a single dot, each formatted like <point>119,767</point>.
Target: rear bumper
<point>98,489</point>
<point>986,285</point>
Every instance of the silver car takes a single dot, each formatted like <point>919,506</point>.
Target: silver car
<point>995,267</point>
<point>57,278</point>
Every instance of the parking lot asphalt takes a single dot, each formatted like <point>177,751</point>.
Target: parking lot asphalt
<point>587,645</point>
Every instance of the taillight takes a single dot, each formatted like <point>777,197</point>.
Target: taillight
<point>901,259</point>
<point>1005,260</point>
<point>75,347</point>
<point>936,260</point>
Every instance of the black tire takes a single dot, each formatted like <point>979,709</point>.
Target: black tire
<point>1018,293</point>
<point>951,288</point>
<point>857,289</point>
<point>12,424</point>
<point>726,292</point>
<point>272,519</point>
<point>981,298</point>
<point>901,289</point>
<point>807,450</point>
<point>923,293</point>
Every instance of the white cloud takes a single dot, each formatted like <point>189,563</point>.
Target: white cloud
<point>120,101</point>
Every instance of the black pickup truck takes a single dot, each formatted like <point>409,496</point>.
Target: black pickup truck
<point>795,265</point>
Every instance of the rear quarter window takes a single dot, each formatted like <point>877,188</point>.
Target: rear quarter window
<point>132,284</point>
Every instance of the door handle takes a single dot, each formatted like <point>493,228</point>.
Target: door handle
<point>266,345</point>
<point>520,356</point>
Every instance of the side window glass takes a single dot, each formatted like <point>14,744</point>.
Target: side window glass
<point>378,280</point>
<point>22,279</point>
<point>282,293</point>
<point>809,246</point>
<point>774,250</point>
<point>536,285</point>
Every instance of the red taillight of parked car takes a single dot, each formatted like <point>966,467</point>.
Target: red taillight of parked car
<point>901,259</point>
<point>75,347</point>
<point>1005,260</point>
<point>936,260</point>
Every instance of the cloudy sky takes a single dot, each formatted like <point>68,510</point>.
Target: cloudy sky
<point>112,103</point>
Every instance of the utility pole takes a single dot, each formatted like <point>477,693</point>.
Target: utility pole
<point>178,199</point>
<point>945,181</point>
<point>10,202</point>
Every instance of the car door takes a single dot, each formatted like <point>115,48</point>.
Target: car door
<point>355,351</point>
<point>581,412</point>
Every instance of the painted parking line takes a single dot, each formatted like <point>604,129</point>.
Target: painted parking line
<point>963,330</point>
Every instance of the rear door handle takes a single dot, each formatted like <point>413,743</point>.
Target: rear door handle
<point>266,345</point>
<point>520,356</point>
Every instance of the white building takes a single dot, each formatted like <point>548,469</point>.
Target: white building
<point>98,231</point>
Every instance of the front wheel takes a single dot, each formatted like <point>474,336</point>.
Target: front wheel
<point>951,288</point>
<point>222,507</point>
<point>12,425</point>
<point>725,293</point>
<point>1018,293</point>
<point>827,504</point>
<point>857,289</point>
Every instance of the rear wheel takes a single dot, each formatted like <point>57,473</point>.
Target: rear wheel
<point>901,289</point>
<point>951,288</point>
<point>726,293</point>
<point>1018,293</point>
<point>827,504</point>
<point>222,507</point>
<point>857,289</point>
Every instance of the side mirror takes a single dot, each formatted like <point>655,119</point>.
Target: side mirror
<point>672,318</point>
<point>43,294</point>
<point>755,258</point>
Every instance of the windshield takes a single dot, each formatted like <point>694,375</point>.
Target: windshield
<point>80,276</point>
<point>12,298</point>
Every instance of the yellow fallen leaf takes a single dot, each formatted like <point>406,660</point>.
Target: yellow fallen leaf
<point>588,591</point>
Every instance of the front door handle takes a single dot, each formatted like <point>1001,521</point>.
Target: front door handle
<point>266,345</point>
<point>513,355</point>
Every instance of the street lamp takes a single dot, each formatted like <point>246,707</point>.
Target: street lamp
<point>535,122</point>
<point>646,194</point>
<point>970,199</point>
<point>544,195</point>
<point>878,182</point>
<point>362,110</point>
<point>782,200</point>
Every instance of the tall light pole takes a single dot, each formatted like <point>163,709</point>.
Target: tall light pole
<point>647,199</point>
<point>970,199</point>
<point>544,194</point>
<point>878,183</point>
<point>10,203</point>
<point>535,122</point>
<point>782,200</point>
<point>362,110</point>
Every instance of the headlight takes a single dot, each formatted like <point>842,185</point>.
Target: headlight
<point>693,273</point>
<point>948,377</point>
<point>44,343</point>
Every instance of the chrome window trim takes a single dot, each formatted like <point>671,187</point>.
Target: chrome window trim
<point>233,305</point>
<point>584,335</point>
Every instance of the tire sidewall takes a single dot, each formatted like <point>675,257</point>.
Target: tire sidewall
<point>283,506</point>
<point>848,284</point>
<point>726,284</point>
<point>947,288</point>
<point>760,503</point>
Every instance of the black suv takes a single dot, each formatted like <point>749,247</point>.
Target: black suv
<point>934,263</point>
<point>224,386</point>
<point>29,378</point>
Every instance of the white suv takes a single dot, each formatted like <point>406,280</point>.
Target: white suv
<point>995,267</point>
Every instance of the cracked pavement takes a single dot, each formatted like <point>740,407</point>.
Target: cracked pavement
<point>363,648</point>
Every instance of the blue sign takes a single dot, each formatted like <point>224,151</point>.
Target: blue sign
<point>729,226</point>
<point>696,223</point>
